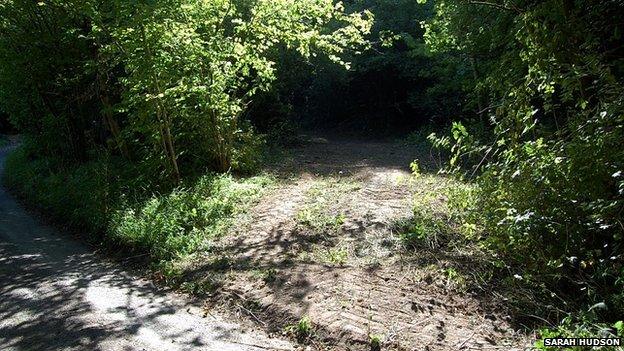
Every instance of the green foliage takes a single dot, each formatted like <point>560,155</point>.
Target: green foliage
<point>548,76</point>
<point>248,151</point>
<point>314,217</point>
<point>394,86</point>
<point>181,222</point>
<point>321,212</point>
<point>439,212</point>
<point>94,197</point>
<point>419,136</point>
<point>375,342</point>
<point>127,105</point>
<point>302,329</point>
<point>196,65</point>
<point>581,325</point>
<point>164,82</point>
<point>334,256</point>
<point>268,275</point>
<point>79,197</point>
<point>454,278</point>
<point>415,168</point>
<point>45,82</point>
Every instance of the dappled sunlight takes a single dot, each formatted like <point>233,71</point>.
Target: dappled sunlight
<point>55,294</point>
<point>326,245</point>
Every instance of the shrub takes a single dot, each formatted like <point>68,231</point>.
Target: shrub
<point>440,213</point>
<point>550,190</point>
<point>98,198</point>
<point>178,223</point>
<point>77,196</point>
<point>581,325</point>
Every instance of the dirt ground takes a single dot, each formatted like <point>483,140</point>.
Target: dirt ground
<point>324,245</point>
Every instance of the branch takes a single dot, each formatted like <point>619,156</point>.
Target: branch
<point>514,8</point>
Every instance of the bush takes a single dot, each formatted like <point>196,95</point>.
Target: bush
<point>122,211</point>
<point>78,196</point>
<point>581,325</point>
<point>248,151</point>
<point>548,169</point>
<point>441,213</point>
<point>181,222</point>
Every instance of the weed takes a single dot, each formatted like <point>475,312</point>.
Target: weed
<point>420,136</point>
<point>440,212</point>
<point>199,287</point>
<point>302,330</point>
<point>338,256</point>
<point>267,275</point>
<point>100,198</point>
<point>78,196</point>
<point>582,325</point>
<point>415,167</point>
<point>319,213</point>
<point>304,326</point>
<point>375,342</point>
<point>454,278</point>
<point>179,223</point>
<point>313,218</point>
<point>270,275</point>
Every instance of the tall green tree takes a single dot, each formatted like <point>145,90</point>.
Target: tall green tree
<point>193,67</point>
<point>166,81</point>
<point>45,85</point>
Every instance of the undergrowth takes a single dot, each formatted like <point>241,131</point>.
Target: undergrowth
<point>319,213</point>
<point>552,239</point>
<point>440,212</point>
<point>107,204</point>
<point>448,214</point>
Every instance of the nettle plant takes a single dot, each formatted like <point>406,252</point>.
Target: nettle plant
<point>193,66</point>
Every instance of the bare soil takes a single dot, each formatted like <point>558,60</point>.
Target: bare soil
<point>324,244</point>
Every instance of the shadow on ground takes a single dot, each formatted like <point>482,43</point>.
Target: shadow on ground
<point>339,156</point>
<point>56,294</point>
<point>273,267</point>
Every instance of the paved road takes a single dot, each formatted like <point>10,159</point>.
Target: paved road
<point>56,294</point>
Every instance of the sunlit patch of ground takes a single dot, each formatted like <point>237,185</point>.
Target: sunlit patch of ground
<point>326,243</point>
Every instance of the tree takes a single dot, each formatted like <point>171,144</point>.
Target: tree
<point>168,79</point>
<point>194,66</point>
<point>45,86</point>
<point>550,77</point>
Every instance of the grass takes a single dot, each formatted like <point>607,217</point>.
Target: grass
<point>375,342</point>
<point>179,223</point>
<point>102,201</point>
<point>319,212</point>
<point>267,275</point>
<point>302,329</point>
<point>455,279</point>
<point>78,196</point>
<point>313,217</point>
<point>330,256</point>
<point>581,325</point>
<point>440,213</point>
<point>336,256</point>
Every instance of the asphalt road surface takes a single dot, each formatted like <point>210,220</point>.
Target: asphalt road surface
<point>57,294</point>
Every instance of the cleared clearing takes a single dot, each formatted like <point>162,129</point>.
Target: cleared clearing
<point>324,244</point>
